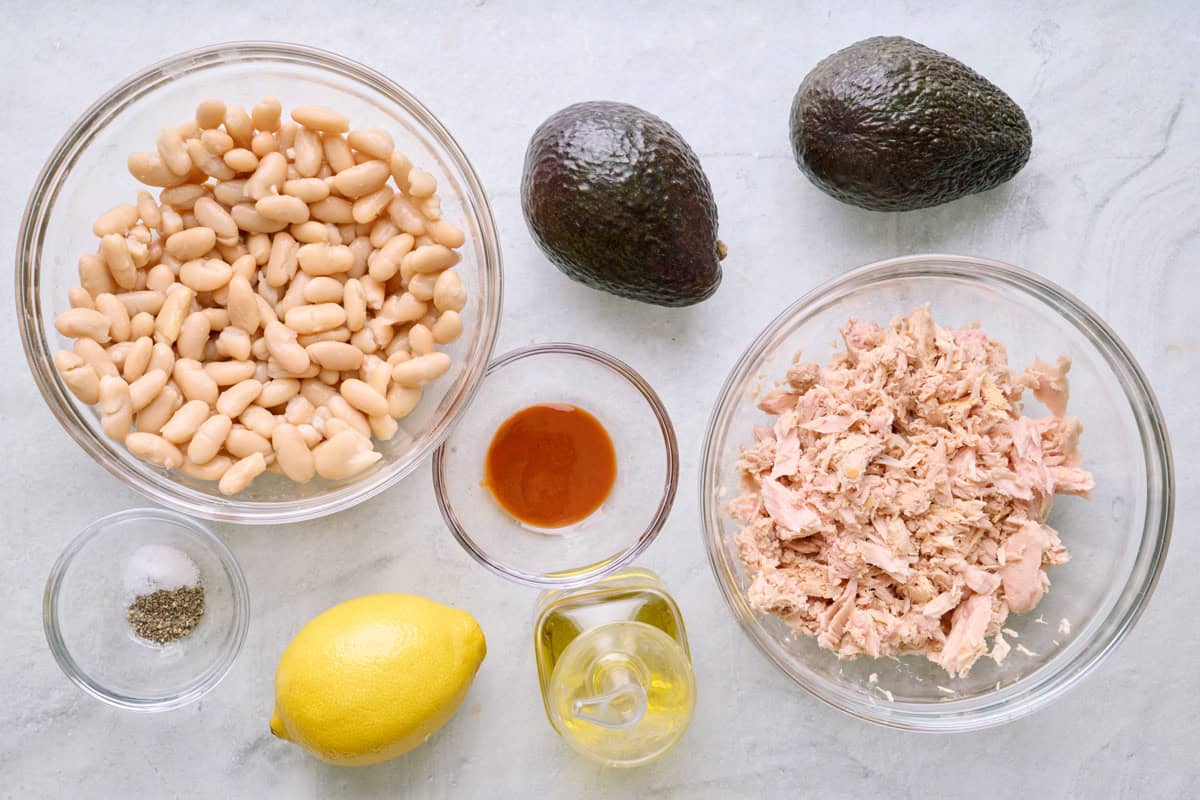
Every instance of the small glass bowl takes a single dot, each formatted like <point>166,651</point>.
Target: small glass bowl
<point>628,520</point>
<point>86,175</point>
<point>86,601</point>
<point>1117,539</point>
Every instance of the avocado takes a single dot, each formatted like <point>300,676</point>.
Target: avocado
<point>889,124</point>
<point>617,200</point>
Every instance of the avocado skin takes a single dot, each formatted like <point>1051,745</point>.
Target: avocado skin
<point>618,201</point>
<point>889,124</point>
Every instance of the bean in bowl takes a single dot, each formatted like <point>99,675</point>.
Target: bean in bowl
<point>280,304</point>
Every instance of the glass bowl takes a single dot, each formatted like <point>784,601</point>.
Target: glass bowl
<point>628,520</point>
<point>86,600</point>
<point>1117,539</point>
<point>86,175</point>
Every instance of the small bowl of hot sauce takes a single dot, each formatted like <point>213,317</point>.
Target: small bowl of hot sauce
<point>563,469</point>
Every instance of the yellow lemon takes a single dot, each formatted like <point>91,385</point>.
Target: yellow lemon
<point>372,678</point>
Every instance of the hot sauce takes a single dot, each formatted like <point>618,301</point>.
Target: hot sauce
<point>550,465</point>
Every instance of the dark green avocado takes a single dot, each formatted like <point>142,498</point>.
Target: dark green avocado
<point>617,200</point>
<point>889,124</point>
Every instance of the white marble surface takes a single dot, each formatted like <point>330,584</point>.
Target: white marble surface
<point>1108,206</point>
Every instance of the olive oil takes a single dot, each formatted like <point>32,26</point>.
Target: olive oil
<point>614,667</point>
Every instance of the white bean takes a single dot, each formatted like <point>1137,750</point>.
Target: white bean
<point>210,113</point>
<point>362,179</point>
<point>372,142</point>
<point>79,376</point>
<point>421,370</point>
<point>323,290</point>
<point>209,438</point>
<point>283,347</point>
<point>310,190</point>
<point>143,390</point>
<point>212,470</point>
<point>94,275</point>
<point>206,162</point>
<point>234,343</point>
<point>422,286</point>
<point>115,251</point>
<point>155,449</point>
<point>421,183</point>
<point>320,258</point>
<point>145,300</point>
<point>335,355</point>
<point>141,324</point>
<point>183,423</point>
<point>420,340</point>
<point>242,305</point>
<point>337,152</point>
<point>266,113</point>
<point>344,455</point>
<point>405,215</point>
<point>360,395</point>
<point>191,243</point>
<point>340,408</point>
<point>194,381</point>
<point>193,335</point>
<point>282,208</point>
<point>259,420</point>
<point>83,322</point>
<point>116,220</point>
<point>205,274</point>
<point>237,398</point>
<point>242,474</point>
<point>315,318</point>
<point>150,170</point>
<point>242,441</point>
<point>249,220</point>
<point>118,316</point>
<point>299,410</point>
<point>448,292</point>
<point>172,151</point>
<point>153,417</point>
<point>268,178</point>
<point>116,412</point>
<point>169,320</point>
<point>319,118</point>
<point>383,427</point>
<point>227,373</point>
<point>307,153</point>
<point>96,356</point>
<point>337,210</point>
<point>449,327</point>
<point>292,453</point>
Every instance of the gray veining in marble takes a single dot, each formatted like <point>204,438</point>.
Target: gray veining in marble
<point>1108,206</point>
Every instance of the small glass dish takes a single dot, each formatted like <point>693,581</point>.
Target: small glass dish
<point>628,520</point>
<point>84,613</point>
<point>1117,539</point>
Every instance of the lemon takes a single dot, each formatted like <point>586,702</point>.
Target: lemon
<point>372,678</point>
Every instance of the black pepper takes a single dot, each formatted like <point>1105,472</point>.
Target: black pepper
<point>167,614</point>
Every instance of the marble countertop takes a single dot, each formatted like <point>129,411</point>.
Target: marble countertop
<point>1108,206</point>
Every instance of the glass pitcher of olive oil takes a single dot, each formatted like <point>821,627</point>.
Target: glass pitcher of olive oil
<point>614,666</point>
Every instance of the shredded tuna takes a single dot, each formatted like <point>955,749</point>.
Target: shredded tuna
<point>898,504</point>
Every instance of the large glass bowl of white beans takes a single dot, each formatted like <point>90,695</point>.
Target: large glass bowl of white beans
<point>258,282</point>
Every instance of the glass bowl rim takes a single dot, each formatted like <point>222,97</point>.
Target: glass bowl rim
<point>1024,696</point>
<point>626,556</point>
<point>40,206</point>
<point>208,679</point>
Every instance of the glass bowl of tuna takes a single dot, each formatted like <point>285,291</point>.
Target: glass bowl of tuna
<point>281,197</point>
<point>937,492</point>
